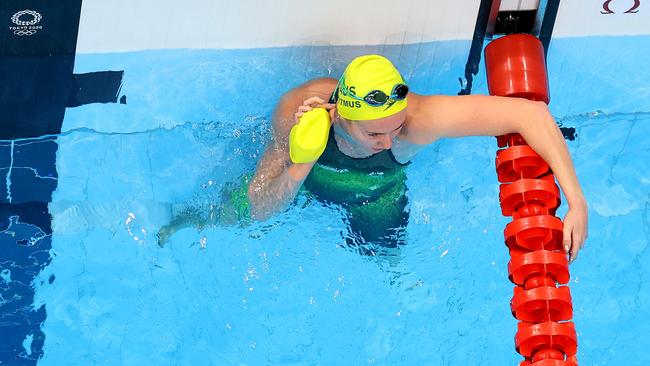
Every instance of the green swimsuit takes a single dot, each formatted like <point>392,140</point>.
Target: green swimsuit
<point>371,189</point>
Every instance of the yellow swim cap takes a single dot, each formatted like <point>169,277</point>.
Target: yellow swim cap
<point>365,78</point>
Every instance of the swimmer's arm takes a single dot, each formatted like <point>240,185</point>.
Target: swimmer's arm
<point>479,115</point>
<point>277,180</point>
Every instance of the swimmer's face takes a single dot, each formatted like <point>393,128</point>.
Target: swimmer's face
<point>377,134</point>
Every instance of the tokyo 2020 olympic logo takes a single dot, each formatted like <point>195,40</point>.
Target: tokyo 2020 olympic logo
<point>26,22</point>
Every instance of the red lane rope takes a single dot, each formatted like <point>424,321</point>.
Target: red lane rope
<point>528,193</point>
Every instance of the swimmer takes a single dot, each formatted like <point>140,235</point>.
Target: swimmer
<point>376,126</point>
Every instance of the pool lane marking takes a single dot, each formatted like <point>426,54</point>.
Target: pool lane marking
<point>11,165</point>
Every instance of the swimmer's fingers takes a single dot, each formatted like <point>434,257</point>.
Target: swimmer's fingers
<point>296,117</point>
<point>313,102</point>
<point>301,110</point>
<point>304,108</point>
<point>575,232</point>
<point>578,238</point>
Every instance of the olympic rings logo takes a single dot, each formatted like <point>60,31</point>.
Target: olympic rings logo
<point>36,17</point>
<point>24,32</point>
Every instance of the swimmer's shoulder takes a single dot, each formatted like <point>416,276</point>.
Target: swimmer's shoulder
<point>320,87</point>
<point>292,99</point>
<point>423,111</point>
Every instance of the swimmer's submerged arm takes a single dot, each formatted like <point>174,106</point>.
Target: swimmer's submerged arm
<point>479,115</point>
<point>278,180</point>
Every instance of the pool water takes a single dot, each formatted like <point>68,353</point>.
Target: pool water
<point>288,291</point>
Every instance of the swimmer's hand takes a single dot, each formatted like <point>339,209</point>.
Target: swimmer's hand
<point>575,229</point>
<point>311,103</point>
<point>309,135</point>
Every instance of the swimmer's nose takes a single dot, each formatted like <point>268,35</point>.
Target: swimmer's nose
<point>386,142</point>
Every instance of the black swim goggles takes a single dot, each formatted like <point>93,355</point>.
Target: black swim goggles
<point>375,98</point>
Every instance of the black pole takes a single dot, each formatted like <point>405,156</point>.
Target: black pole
<point>546,30</point>
<point>471,68</point>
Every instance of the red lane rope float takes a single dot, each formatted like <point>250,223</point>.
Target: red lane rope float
<point>519,161</point>
<point>546,303</point>
<point>542,263</point>
<point>534,233</point>
<point>545,337</point>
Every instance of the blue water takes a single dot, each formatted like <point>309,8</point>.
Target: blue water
<point>285,292</point>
